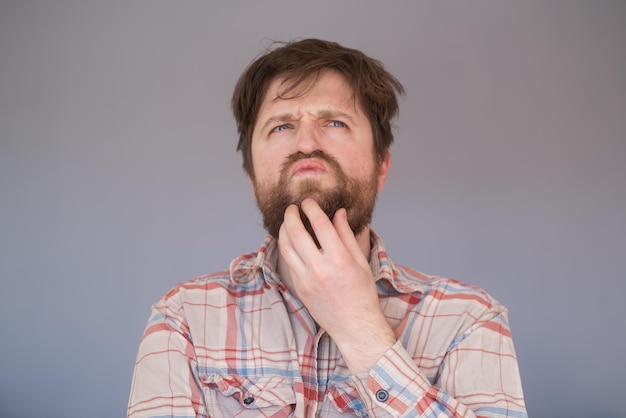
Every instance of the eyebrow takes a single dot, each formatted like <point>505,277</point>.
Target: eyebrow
<point>278,119</point>
<point>333,114</point>
<point>322,114</point>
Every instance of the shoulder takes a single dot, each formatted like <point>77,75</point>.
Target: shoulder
<point>447,291</point>
<point>242,276</point>
<point>194,291</point>
<point>453,308</point>
<point>200,284</point>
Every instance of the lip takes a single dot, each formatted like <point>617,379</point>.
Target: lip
<point>309,166</point>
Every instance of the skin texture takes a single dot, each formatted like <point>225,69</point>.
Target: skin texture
<point>325,118</point>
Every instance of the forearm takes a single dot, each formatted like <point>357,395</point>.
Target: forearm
<point>396,386</point>
<point>365,344</point>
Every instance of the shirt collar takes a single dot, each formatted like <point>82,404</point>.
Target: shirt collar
<point>245,267</point>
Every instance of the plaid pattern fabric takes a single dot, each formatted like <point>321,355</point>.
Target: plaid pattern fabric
<point>237,344</point>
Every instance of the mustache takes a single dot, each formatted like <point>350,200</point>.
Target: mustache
<point>319,154</point>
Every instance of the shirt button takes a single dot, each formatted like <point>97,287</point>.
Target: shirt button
<point>248,400</point>
<point>382,395</point>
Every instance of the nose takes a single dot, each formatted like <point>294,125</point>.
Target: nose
<point>308,138</point>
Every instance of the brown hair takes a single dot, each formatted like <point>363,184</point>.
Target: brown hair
<point>301,63</point>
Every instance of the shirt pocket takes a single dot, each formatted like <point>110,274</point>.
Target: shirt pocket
<point>228,396</point>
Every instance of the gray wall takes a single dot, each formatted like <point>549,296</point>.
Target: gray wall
<point>119,177</point>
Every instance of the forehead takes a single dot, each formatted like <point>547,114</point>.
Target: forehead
<point>330,89</point>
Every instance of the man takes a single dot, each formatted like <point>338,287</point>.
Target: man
<point>319,321</point>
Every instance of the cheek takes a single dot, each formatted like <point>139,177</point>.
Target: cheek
<point>361,165</point>
<point>267,167</point>
<point>258,159</point>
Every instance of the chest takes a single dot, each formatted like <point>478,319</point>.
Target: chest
<point>266,358</point>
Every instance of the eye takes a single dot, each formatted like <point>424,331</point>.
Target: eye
<point>280,128</point>
<point>337,124</point>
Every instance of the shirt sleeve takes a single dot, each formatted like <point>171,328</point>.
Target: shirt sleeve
<point>165,382</point>
<point>478,377</point>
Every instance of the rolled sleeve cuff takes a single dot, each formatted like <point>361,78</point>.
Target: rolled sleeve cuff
<point>395,383</point>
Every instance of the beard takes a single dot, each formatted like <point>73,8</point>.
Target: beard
<point>357,196</point>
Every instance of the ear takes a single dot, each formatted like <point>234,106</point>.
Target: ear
<point>384,169</point>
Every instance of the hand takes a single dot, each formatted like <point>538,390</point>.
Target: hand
<point>335,284</point>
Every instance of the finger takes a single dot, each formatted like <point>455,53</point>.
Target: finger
<point>322,226</point>
<point>287,250</point>
<point>299,238</point>
<point>340,222</point>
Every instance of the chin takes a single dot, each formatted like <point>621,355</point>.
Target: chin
<point>308,188</point>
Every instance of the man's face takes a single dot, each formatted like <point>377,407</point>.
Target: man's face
<point>318,145</point>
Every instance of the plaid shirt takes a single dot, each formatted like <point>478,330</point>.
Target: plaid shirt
<point>237,344</point>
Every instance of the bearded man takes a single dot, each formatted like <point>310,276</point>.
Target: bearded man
<point>319,321</point>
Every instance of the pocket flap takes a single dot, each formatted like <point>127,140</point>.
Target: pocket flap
<point>256,391</point>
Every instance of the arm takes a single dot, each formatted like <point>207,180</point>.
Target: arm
<point>335,283</point>
<point>336,286</point>
<point>478,377</point>
<point>164,381</point>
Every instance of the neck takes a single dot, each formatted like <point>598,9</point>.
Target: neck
<point>363,239</point>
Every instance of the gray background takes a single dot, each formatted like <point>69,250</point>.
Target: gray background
<point>119,177</point>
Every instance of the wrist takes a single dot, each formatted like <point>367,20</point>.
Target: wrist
<point>363,350</point>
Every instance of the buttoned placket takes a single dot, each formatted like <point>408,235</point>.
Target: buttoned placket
<point>313,347</point>
<point>322,353</point>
